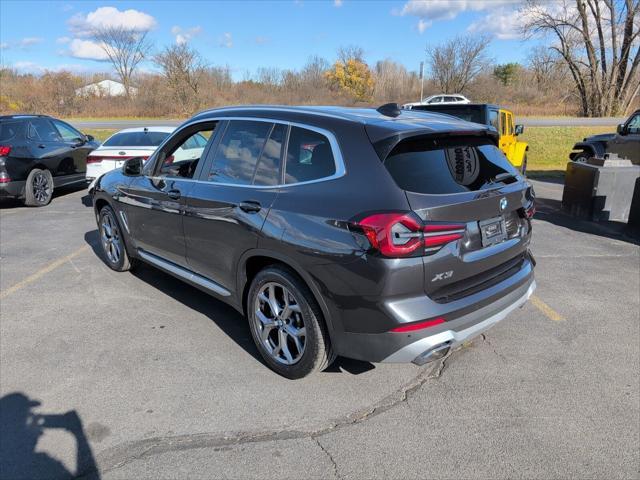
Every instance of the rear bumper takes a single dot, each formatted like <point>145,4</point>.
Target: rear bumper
<point>420,351</point>
<point>13,189</point>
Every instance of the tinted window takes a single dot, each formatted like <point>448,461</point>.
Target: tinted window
<point>634,125</point>
<point>309,156</point>
<point>41,129</point>
<point>493,119</point>
<point>470,114</point>
<point>68,133</point>
<point>136,139</point>
<point>450,167</point>
<point>268,169</point>
<point>503,123</point>
<point>510,124</point>
<point>8,130</point>
<point>238,152</point>
<point>180,161</point>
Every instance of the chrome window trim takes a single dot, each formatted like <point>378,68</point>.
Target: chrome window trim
<point>333,142</point>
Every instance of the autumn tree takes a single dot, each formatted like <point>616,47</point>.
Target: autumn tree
<point>125,49</point>
<point>457,62</point>
<point>183,70</point>
<point>351,74</point>
<point>599,42</point>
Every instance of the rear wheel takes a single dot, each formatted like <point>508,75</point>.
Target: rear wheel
<point>113,249</point>
<point>582,157</point>
<point>287,324</point>
<point>38,188</point>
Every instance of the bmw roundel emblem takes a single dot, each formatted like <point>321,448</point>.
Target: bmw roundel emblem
<point>122,153</point>
<point>503,203</point>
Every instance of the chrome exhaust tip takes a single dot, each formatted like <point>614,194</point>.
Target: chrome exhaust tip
<point>433,354</point>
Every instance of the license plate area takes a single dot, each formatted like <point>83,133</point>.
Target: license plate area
<point>493,230</point>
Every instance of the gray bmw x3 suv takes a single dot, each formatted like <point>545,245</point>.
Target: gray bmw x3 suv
<point>380,235</point>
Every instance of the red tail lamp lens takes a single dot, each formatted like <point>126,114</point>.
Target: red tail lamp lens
<point>5,150</point>
<point>418,326</point>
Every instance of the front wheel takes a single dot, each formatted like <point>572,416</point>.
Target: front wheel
<point>287,324</point>
<point>582,157</point>
<point>38,188</point>
<point>113,249</point>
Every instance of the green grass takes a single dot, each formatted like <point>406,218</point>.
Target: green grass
<point>100,134</point>
<point>549,147</point>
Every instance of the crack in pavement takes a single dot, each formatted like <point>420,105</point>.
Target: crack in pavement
<point>486,340</point>
<point>326,452</point>
<point>120,455</point>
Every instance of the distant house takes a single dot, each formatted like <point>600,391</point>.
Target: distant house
<point>105,88</point>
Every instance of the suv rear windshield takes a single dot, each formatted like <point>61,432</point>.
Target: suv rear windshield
<point>446,166</point>
<point>470,114</point>
<point>136,139</point>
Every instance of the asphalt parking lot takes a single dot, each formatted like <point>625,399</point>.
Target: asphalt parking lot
<point>138,375</point>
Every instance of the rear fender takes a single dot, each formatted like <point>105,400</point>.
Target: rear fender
<point>596,149</point>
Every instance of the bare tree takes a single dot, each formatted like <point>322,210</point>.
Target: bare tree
<point>351,52</point>
<point>455,63</point>
<point>599,42</point>
<point>183,69</point>
<point>125,48</point>
<point>393,82</point>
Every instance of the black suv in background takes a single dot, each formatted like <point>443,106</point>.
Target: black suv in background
<point>381,235</point>
<point>39,153</point>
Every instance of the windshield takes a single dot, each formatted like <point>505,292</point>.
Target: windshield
<point>136,139</point>
<point>447,166</point>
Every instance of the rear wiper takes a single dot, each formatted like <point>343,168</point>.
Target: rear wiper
<point>501,177</point>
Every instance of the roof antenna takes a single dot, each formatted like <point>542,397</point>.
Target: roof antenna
<point>146,129</point>
<point>389,110</point>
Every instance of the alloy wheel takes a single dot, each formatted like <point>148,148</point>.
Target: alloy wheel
<point>279,322</point>
<point>111,240</point>
<point>41,188</point>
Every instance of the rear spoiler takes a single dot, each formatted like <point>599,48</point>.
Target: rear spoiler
<point>384,146</point>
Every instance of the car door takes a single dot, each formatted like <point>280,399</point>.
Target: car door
<point>47,147</point>
<point>627,143</point>
<point>154,202</point>
<point>78,147</point>
<point>227,208</point>
<point>507,134</point>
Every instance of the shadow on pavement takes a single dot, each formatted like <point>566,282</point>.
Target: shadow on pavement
<point>20,430</point>
<point>227,318</point>
<point>11,203</point>
<point>549,210</point>
<point>547,176</point>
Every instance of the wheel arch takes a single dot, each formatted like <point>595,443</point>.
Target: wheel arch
<point>252,261</point>
<point>593,148</point>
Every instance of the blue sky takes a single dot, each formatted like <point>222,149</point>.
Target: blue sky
<point>38,35</point>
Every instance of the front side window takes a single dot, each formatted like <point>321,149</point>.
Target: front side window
<point>41,129</point>
<point>493,119</point>
<point>510,123</point>
<point>237,155</point>
<point>68,133</point>
<point>633,126</point>
<point>309,156</point>
<point>180,162</point>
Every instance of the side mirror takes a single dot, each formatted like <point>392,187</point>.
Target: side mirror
<point>133,167</point>
<point>621,129</point>
<point>90,138</point>
<point>519,129</point>
<point>79,141</point>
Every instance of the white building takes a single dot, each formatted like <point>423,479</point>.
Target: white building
<point>105,88</point>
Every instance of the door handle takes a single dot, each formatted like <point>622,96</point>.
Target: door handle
<point>42,146</point>
<point>250,206</point>
<point>173,193</point>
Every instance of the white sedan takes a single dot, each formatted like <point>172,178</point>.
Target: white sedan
<point>439,100</point>
<point>137,142</point>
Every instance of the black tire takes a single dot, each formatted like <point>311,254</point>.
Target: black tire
<point>523,167</point>
<point>112,244</point>
<point>582,157</point>
<point>317,353</point>
<point>38,190</point>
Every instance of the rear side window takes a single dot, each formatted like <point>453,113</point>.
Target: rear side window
<point>41,129</point>
<point>444,167</point>
<point>503,123</point>
<point>8,130</point>
<point>309,156</point>
<point>268,168</point>
<point>136,139</point>
<point>237,156</point>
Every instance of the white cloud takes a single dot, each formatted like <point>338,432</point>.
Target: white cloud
<point>63,40</point>
<point>29,41</point>
<point>36,69</point>
<point>88,49</point>
<point>107,17</point>
<point>337,3</point>
<point>260,40</point>
<point>504,24</point>
<point>27,67</point>
<point>429,11</point>
<point>4,46</point>
<point>227,40</point>
<point>184,35</point>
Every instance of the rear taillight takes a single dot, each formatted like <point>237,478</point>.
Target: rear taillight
<point>4,177</point>
<point>405,235</point>
<point>418,325</point>
<point>5,150</point>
